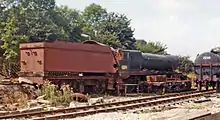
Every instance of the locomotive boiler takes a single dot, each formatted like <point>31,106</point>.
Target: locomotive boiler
<point>136,60</point>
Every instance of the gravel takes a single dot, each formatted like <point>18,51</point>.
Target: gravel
<point>181,112</point>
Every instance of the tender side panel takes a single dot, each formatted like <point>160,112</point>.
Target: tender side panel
<point>79,58</point>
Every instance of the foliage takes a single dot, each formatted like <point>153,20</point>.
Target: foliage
<point>186,65</point>
<point>108,39</point>
<point>39,23</point>
<point>151,47</point>
<point>70,21</point>
<point>191,75</point>
<point>98,22</point>
<point>119,25</point>
<point>93,16</point>
<point>11,39</point>
<point>55,96</point>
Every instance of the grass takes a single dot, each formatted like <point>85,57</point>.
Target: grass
<point>55,96</point>
<point>191,75</point>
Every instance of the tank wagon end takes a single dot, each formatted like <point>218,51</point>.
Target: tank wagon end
<point>207,68</point>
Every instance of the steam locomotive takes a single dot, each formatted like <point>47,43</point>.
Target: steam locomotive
<point>91,66</point>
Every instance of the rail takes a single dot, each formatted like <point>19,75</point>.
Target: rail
<point>107,107</point>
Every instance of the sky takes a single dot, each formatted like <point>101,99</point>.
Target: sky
<point>187,27</point>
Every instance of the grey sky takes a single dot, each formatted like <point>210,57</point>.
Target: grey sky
<point>187,27</point>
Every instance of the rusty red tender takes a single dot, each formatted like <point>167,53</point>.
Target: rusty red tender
<point>59,59</point>
<point>66,56</point>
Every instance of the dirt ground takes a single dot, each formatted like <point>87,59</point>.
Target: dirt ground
<point>181,111</point>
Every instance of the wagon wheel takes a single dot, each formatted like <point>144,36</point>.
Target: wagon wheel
<point>207,85</point>
<point>212,84</point>
<point>199,85</point>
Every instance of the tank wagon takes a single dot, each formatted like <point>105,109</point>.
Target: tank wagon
<point>94,67</point>
<point>207,69</point>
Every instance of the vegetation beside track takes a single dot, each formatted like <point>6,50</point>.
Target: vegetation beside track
<point>55,96</point>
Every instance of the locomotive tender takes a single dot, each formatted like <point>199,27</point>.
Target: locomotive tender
<point>94,67</point>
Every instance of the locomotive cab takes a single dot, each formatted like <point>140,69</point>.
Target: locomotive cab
<point>131,60</point>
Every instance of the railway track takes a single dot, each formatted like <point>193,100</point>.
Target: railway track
<point>107,107</point>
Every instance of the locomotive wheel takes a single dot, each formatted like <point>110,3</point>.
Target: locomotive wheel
<point>159,89</point>
<point>144,87</point>
<point>177,89</point>
<point>131,89</point>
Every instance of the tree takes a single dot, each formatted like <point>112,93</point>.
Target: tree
<point>93,16</point>
<point>70,21</point>
<point>5,6</point>
<point>98,22</point>
<point>186,65</point>
<point>11,39</point>
<point>151,47</point>
<point>119,25</point>
<point>108,39</point>
<point>38,16</point>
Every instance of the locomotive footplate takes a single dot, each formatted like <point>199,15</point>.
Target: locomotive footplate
<point>171,86</point>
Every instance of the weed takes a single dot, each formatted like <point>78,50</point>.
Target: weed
<point>56,96</point>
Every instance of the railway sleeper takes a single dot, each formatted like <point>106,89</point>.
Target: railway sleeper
<point>151,103</point>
